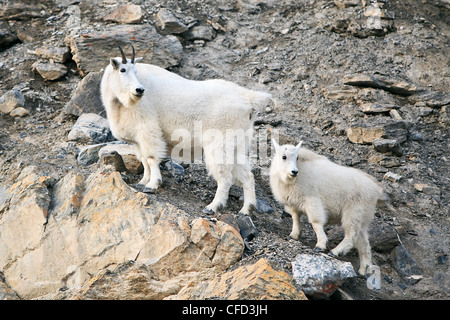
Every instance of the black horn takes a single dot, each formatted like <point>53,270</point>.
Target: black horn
<point>132,54</point>
<point>124,58</point>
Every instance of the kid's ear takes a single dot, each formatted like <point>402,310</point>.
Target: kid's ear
<point>115,63</point>
<point>275,145</point>
<point>297,147</point>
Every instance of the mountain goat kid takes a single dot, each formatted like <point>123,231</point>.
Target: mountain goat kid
<point>158,111</point>
<point>308,183</point>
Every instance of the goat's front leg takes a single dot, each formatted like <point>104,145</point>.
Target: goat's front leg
<point>146,178</point>
<point>296,226</point>
<point>155,175</point>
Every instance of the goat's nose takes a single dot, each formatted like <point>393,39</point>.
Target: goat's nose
<point>140,91</point>
<point>294,172</point>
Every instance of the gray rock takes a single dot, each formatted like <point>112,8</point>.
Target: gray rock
<point>11,100</point>
<point>393,177</point>
<point>387,145</point>
<point>427,189</point>
<point>174,169</point>
<point>382,236</point>
<point>58,54</point>
<point>89,154</point>
<point>169,23</point>
<point>396,86</point>
<point>247,228</point>
<point>90,128</point>
<point>431,99</point>
<point>49,71</point>
<point>263,207</point>
<point>7,36</point>
<point>86,98</point>
<point>406,265</point>
<point>342,4</point>
<point>319,275</point>
<point>206,33</point>
<point>375,108</point>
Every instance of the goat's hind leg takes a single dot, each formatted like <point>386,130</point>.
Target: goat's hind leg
<point>349,240</point>
<point>364,251</point>
<point>243,177</point>
<point>224,182</point>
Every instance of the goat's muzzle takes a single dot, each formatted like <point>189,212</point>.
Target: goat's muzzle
<point>138,92</point>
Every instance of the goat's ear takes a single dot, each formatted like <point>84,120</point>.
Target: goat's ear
<point>275,145</point>
<point>115,63</point>
<point>138,59</point>
<point>297,147</point>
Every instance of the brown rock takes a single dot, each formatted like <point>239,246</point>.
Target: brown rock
<point>174,247</point>
<point>128,154</point>
<point>67,196</point>
<point>127,13</point>
<point>363,135</point>
<point>257,281</point>
<point>58,54</point>
<point>49,71</point>
<point>397,130</point>
<point>19,112</point>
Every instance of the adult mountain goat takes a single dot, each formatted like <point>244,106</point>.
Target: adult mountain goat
<point>158,112</point>
<point>308,183</point>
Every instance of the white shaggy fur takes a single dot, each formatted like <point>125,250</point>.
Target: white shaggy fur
<point>308,183</point>
<point>170,103</point>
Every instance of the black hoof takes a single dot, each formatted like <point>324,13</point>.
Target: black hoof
<point>149,190</point>
<point>207,211</point>
<point>318,250</point>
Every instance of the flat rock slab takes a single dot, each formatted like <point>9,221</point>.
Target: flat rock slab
<point>396,86</point>
<point>92,51</point>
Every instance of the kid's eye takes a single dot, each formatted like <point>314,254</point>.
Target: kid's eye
<point>283,157</point>
<point>123,70</point>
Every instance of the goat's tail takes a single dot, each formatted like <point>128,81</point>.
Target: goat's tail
<point>260,99</point>
<point>384,201</point>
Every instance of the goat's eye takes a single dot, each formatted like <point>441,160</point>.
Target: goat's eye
<point>123,70</point>
<point>283,157</point>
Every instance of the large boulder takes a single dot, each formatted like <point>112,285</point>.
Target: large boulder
<point>86,98</point>
<point>79,227</point>
<point>92,51</point>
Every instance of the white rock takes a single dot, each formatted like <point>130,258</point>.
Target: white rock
<point>320,275</point>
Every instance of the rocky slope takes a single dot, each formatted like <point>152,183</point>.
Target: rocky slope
<point>365,83</point>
